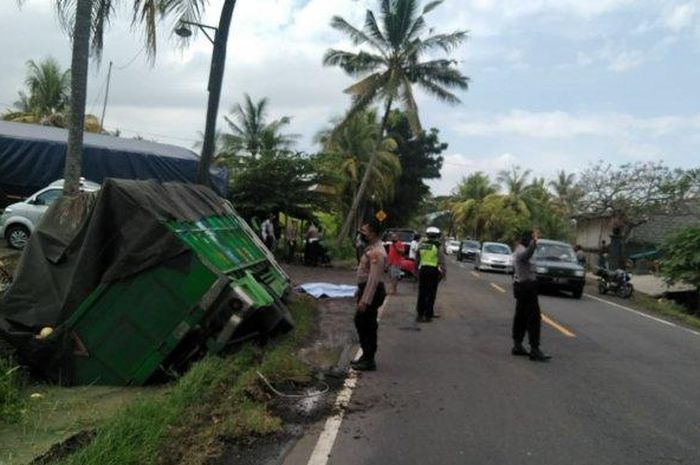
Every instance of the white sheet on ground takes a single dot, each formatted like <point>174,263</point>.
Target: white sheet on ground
<point>330,290</point>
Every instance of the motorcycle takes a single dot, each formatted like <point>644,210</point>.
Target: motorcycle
<point>617,281</point>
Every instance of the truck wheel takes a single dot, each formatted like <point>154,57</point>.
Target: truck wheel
<point>17,236</point>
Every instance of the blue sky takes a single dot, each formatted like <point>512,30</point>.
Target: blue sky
<point>556,84</point>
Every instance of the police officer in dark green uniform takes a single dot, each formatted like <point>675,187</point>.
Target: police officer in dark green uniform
<point>431,266</point>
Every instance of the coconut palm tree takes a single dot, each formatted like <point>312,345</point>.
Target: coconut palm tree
<point>391,64</point>
<point>48,89</point>
<point>47,98</point>
<point>566,191</point>
<point>347,154</point>
<point>468,198</point>
<point>251,133</point>
<point>86,21</point>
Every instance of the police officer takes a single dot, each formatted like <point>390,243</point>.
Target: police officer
<point>431,268</point>
<point>528,318</point>
<point>371,293</point>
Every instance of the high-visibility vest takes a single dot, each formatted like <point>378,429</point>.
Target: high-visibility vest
<point>429,254</point>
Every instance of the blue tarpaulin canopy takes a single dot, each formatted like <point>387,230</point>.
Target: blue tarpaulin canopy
<point>32,156</point>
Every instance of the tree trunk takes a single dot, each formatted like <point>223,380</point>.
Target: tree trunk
<point>347,224</point>
<point>78,92</point>
<point>216,76</point>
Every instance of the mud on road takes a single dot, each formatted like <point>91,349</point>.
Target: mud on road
<point>329,352</point>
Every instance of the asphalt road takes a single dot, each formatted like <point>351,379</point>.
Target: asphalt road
<point>620,389</point>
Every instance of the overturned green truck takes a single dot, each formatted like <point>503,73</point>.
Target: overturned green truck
<point>121,286</point>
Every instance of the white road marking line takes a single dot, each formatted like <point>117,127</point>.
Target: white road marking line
<point>498,288</point>
<point>475,274</point>
<point>658,320</point>
<point>324,445</point>
<point>326,440</point>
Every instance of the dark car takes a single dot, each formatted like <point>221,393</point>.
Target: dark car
<point>405,235</point>
<point>557,267</point>
<point>468,250</point>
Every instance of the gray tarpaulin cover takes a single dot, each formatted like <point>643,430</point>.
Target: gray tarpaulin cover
<point>90,239</point>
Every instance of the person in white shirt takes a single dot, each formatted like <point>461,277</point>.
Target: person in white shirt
<point>268,232</point>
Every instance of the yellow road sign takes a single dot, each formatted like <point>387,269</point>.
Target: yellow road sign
<point>381,216</point>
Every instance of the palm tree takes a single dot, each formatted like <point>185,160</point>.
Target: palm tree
<point>86,21</point>
<point>467,200</point>
<point>47,98</point>
<point>567,192</point>
<point>48,89</point>
<point>392,66</point>
<point>347,154</point>
<point>251,134</point>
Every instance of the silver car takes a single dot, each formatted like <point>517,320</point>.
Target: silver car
<point>19,220</point>
<point>494,256</point>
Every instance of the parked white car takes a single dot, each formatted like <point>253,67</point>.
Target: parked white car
<point>452,247</point>
<point>494,256</point>
<point>20,219</point>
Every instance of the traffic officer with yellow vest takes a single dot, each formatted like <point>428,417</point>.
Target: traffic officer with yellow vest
<point>431,265</point>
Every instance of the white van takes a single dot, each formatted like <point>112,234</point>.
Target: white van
<point>19,220</point>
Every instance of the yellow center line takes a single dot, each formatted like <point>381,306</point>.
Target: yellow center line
<point>498,288</point>
<point>566,332</point>
<point>475,274</point>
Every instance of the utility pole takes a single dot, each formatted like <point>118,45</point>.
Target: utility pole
<point>104,106</point>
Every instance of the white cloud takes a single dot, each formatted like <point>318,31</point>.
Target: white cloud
<point>564,125</point>
<point>624,60</point>
<point>456,166</point>
<point>681,17</point>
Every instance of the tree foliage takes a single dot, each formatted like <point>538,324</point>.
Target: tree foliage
<point>279,182</point>
<point>681,257</point>
<point>421,159</point>
<point>251,134</point>
<point>633,192</point>
<point>398,54</point>
<point>346,157</point>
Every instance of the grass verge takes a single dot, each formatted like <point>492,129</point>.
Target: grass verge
<point>218,399</point>
<point>667,308</point>
<point>12,400</point>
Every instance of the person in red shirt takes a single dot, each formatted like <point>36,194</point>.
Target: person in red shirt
<point>396,252</point>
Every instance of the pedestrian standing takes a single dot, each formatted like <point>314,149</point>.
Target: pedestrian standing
<point>268,232</point>
<point>528,318</point>
<point>413,248</point>
<point>580,255</point>
<point>291,235</point>
<point>431,269</point>
<point>396,252</point>
<point>370,294</point>
<point>603,256</point>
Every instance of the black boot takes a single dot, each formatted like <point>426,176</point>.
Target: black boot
<point>519,349</point>
<point>537,355</point>
<point>365,365</point>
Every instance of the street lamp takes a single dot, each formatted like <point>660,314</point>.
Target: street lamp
<point>185,32</point>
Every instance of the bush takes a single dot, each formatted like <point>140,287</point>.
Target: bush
<point>11,400</point>
<point>681,252</point>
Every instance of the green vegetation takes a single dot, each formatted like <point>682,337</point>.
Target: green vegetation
<point>668,308</point>
<point>389,67</point>
<point>481,211</point>
<point>217,398</point>
<point>12,399</point>
<point>681,263</point>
